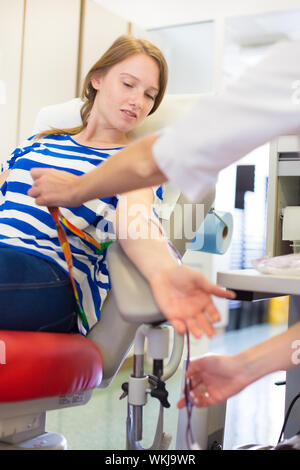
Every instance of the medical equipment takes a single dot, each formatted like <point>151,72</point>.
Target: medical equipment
<point>214,235</point>
<point>45,371</point>
<point>283,191</point>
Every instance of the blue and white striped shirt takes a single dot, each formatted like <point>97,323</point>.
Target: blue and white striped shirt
<point>30,228</point>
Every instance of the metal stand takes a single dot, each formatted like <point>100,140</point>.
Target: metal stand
<point>140,385</point>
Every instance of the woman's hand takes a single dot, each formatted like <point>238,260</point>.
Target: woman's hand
<point>213,379</point>
<point>184,296</point>
<point>55,188</point>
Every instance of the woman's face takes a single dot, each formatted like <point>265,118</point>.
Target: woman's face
<point>127,92</point>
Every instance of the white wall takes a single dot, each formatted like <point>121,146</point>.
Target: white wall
<point>167,12</point>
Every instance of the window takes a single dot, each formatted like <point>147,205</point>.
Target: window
<point>188,49</point>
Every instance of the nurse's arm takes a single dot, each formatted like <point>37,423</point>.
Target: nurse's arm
<point>132,168</point>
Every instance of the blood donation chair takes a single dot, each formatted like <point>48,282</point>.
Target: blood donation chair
<point>45,371</point>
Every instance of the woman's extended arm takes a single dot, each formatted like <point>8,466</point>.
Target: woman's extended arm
<point>183,294</point>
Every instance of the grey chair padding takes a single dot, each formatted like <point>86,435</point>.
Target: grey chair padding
<point>114,337</point>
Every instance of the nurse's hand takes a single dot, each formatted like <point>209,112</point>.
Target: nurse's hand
<point>184,296</point>
<point>213,379</point>
<point>55,188</point>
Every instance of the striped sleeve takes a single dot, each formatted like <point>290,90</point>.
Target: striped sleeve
<point>25,147</point>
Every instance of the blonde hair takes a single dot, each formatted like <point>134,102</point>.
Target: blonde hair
<point>122,48</point>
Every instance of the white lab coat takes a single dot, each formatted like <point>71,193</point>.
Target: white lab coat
<point>262,104</point>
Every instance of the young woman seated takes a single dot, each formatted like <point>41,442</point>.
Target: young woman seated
<point>122,88</point>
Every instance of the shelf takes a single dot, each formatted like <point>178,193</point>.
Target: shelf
<point>250,280</point>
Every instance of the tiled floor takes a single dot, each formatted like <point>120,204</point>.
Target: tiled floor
<point>255,415</point>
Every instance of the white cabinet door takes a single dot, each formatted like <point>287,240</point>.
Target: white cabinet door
<point>11,25</point>
<point>100,29</point>
<point>50,58</point>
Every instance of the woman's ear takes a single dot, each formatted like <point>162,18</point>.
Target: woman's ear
<point>96,81</point>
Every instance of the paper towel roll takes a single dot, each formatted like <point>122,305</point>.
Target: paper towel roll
<point>214,235</point>
<point>291,223</point>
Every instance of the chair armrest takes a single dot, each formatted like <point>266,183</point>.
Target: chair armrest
<point>132,292</point>
<point>129,304</point>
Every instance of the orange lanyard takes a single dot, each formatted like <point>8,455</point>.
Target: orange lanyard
<point>60,220</point>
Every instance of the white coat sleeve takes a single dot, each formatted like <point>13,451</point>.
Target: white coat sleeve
<point>262,104</point>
